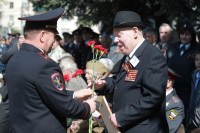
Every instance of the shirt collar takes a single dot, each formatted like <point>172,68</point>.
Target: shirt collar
<point>186,46</point>
<point>197,75</point>
<point>167,93</point>
<point>133,51</point>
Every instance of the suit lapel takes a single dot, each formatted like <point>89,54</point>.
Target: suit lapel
<point>122,71</point>
<point>137,53</point>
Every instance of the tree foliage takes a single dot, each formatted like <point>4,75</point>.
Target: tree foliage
<point>91,12</point>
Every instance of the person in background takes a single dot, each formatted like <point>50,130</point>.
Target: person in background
<point>152,36</point>
<point>139,89</point>
<point>109,66</point>
<point>86,54</point>
<point>194,106</point>
<point>180,59</point>
<point>3,49</point>
<point>174,106</point>
<point>69,67</point>
<point>95,37</point>
<point>166,37</point>
<point>106,42</point>
<point>100,71</point>
<point>79,47</point>
<point>38,99</point>
<point>12,50</point>
<point>57,52</point>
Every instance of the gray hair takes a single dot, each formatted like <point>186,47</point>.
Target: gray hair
<point>68,63</point>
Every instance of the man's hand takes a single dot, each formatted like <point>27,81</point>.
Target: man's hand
<point>74,125</point>
<point>113,121</point>
<point>82,94</point>
<point>92,104</point>
<point>97,84</point>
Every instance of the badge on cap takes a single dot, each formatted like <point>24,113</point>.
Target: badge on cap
<point>57,81</point>
<point>172,114</point>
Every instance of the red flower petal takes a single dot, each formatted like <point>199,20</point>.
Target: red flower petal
<point>89,43</point>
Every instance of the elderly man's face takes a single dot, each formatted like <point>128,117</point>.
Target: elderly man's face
<point>124,38</point>
<point>165,34</point>
<point>88,75</point>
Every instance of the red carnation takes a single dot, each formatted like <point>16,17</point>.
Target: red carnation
<point>79,71</point>
<point>74,75</point>
<point>66,77</point>
<point>97,47</point>
<point>91,42</point>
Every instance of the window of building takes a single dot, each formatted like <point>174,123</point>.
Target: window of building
<point>11,5</point>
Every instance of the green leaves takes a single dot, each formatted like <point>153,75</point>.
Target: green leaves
<point>92,12</point>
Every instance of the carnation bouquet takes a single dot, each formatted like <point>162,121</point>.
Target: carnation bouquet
<point>98,52</point>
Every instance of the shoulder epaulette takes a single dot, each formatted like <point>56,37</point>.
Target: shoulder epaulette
<point>175,99</point>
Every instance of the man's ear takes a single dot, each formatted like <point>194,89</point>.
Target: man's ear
<point>42,36</point>
<point>135,31</point>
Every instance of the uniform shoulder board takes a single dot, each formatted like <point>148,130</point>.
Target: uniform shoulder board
<point>175,99</point>
<point>46,57</point>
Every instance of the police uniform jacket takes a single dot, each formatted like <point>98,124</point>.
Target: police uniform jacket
<point>174,111</point>
<point>137,103</point>
<point>38,100</point>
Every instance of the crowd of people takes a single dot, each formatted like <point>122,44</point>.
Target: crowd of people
<point>150,78</point>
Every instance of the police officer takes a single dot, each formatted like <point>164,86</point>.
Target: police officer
<point>174,105</point>
<point>38,100</point>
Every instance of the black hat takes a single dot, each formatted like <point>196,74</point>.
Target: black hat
<point>87,30</point>
<point>128,19</point>
<point>43,21</point>
<point>77,32</point>
<point>172,74</point>
<point>187,26</point>
<point>95,35</point>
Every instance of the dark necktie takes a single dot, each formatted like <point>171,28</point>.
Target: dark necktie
<point>182,50</point>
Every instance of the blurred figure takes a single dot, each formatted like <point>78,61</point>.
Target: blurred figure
<point>86,54</point>
<point>57,52</point>
<point>106,42</point>
<point>109,66</point>
<point>194,107</point>
<point>174,105</point>
<point>87,34</point>
<point>100,71</point>
<point>12,49</point>
<point>152,36</point>
<point>69,67</point>
<point>79,46</point>
<point>166,37</point>
<point>95,37</point>
<point>180,59</point>
<point>3,49</point>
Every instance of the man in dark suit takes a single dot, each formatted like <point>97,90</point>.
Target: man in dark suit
<point>38,99</point>
<point>139,86</point>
